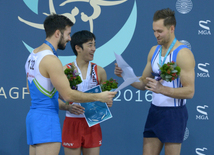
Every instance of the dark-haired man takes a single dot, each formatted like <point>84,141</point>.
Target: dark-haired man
<point>45,78</point>
<point>77,136</point>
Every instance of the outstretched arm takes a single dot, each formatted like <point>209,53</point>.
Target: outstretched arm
<point>146,73</point>
<point>52,68</point>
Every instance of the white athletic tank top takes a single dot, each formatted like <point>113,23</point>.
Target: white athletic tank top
<point>43,94</point>
<point>90,82</point>
<point>159,99</point>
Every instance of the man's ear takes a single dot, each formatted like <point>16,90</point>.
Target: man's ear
<point>57,34</point>
<point>172,28</point>
<point>78,48</point>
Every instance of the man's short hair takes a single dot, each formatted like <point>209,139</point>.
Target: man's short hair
<point>80,38</point>
<point>56,22</point>
<point>167,14</point>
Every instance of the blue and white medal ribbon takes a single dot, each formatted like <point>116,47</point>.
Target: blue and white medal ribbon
<point>169,49</point>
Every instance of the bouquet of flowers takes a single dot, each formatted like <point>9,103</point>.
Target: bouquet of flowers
<point>109,84</point>
<point>73,77</point>
<point>169,71</point>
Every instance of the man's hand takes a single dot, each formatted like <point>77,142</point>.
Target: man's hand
<point>117,70</point>
<point>76,109</point>
<point>153,85</point>
<point>107,96</point>
<point>109,104</point>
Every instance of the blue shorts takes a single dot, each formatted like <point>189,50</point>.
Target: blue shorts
<point>166,123</point>
<point>42,127</point>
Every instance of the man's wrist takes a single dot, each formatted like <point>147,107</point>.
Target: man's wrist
<point>69,107</point>
<point>97,97</point>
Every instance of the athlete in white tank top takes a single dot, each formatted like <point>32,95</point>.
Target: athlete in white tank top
<point>89,82</point>
<point>160,99</point>
<point>46,95</point>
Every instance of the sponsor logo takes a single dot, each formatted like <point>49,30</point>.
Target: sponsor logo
<point>204,72</point>
<point>100,142</point>
<point>184,6</point>
<point>203,114</point>
<point>206,28</point>
<point>186,134</point>
<point>68,144</point>
<point>199,151</point>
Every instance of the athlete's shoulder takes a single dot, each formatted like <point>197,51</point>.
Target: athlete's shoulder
<point>154,47</point>
<point>50,60</point>
<point>183,49</point>
<point>185,58</point>
<point>152,51</point>
<point>100,70</point>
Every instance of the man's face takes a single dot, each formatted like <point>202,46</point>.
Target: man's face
<point>87,52</point>
<point>161,32</point>
<point>65,38</point>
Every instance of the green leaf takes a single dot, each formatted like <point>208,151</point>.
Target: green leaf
<point>174,71</point>
<point>168,76</point>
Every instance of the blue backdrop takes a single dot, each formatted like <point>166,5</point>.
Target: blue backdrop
<point>121,26</point>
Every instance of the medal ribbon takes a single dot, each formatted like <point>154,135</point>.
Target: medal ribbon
<point>51,46</point>
<point>171,46</point>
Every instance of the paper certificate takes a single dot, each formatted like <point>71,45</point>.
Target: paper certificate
<point>128,74</point>
<point>96,112</point>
